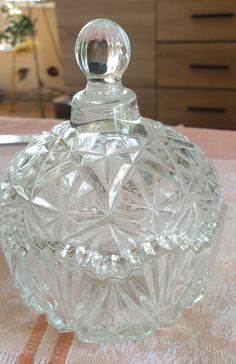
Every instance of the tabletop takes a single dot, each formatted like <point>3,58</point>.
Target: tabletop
<point>204,334</point>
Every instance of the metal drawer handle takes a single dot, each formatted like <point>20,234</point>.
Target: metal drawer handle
<point>220,67</point>
<point>212,15</point>
<point>206,109</point>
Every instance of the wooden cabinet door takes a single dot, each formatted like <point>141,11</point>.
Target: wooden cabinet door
<point>209,109</point>
<point>211,65</point>
<point>194,20</point>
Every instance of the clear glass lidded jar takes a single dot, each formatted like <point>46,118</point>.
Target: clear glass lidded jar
<point>110,221</point>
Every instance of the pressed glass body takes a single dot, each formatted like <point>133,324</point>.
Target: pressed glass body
<point>110,225</point>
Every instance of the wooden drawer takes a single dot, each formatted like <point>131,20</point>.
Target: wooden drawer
<point>196,20</point>
<point>197,65</point>
<point>209,109</point>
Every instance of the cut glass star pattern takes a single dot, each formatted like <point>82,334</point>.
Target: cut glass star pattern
<point>98,228</point>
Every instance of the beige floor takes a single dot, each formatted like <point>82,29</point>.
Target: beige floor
<point>26,110</point>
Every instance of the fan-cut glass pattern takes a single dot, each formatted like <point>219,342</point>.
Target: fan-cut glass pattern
<point>111,228</point>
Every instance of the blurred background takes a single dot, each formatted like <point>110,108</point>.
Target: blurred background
<point>182,66</point>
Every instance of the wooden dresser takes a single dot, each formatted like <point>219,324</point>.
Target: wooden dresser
<point>183,64</point>
<point>196,62</point>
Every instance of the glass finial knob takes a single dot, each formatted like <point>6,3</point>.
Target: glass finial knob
<point>102,50</point>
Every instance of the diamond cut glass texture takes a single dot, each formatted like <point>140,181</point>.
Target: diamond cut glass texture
<point>110,226</point>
